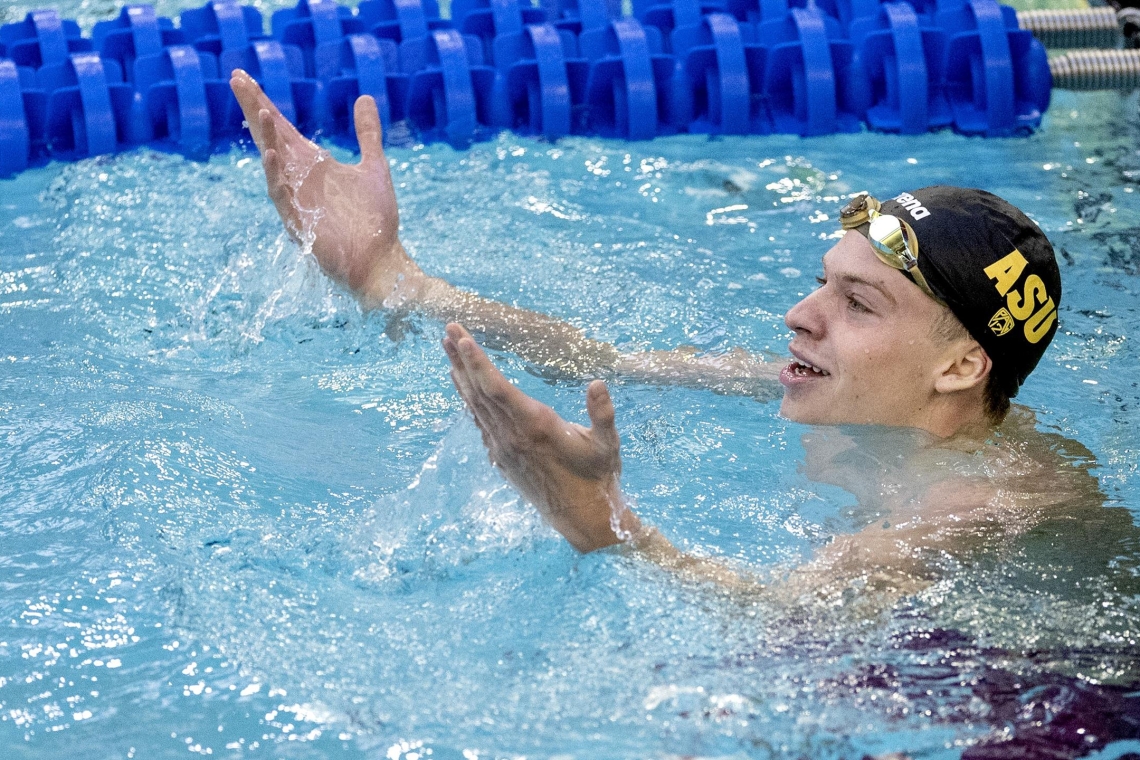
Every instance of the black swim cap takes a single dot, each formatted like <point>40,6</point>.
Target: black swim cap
<point>993,267</point>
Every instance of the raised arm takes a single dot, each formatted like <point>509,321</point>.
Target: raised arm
<point>349,217</point>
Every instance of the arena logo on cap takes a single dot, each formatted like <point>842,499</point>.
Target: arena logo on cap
<point>1020,304</point>
<point>913,206</point>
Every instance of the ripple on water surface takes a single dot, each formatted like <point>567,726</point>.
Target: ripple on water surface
<point>238,515</point>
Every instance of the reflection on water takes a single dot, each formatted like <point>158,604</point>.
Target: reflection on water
<point>237,516</point>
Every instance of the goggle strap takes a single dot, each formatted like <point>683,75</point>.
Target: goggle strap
<point>911,240</point>
<point>921,282</point>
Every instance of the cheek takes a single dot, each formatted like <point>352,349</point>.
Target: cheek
<point>862,362</point>
<point>876,368</point>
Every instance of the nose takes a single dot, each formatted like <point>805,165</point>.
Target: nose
<point>806,317</point>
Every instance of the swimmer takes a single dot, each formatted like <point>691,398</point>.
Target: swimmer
<point>933,309</point>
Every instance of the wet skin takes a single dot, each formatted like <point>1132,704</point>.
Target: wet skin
<point>940,492</point>
<point>867,332</point>
<point>867,329</point>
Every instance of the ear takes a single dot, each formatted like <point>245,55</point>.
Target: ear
<point>967,365</point>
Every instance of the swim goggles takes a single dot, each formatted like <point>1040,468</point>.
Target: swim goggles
<point>892,238</point>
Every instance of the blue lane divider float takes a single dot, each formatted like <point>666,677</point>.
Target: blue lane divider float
<point>449,95</point>
<point>366,65</point>
<point>718,79</point>
<point>15,139</point>
<point>996,82</point>
<point>400,20</point>
<point>317,28</point>
<point>219,26</point>
<point>137,31</point>
<point>90,110</point>
<point>173,84</point>
<point>899,85</point>
<point>42,38</point>
<point>667,16</point>
<point>538,77</point>
<point>808,73</point>
<point>627,92</point>
<point>544,82</point>
<point>540,67</point>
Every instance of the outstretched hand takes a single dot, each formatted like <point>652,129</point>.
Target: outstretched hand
<point>568,472</point>
<point>348,212</point>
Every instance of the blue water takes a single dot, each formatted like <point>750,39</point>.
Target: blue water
<point>240,518</point>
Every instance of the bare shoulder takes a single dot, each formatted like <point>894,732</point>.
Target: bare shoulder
<point>1024,458</point>
<point>928,507</point>
<point>1013,481</point>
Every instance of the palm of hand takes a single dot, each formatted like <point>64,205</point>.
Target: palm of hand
<point>568,472</point>
<point>347,213</point>
<point>555,464</point>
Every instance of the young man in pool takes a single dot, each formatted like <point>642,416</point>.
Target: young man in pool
<point>932,310</point>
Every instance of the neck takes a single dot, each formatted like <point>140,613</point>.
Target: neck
<point>955,415</point>
<point>879,464</point>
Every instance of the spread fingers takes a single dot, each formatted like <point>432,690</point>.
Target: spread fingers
<point>484,377</point>
<point>461,377</point>
<point>280,192</point>
<point>369,135</point>
<point>253,101</point>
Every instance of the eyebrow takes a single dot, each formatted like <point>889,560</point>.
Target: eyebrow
<point>857,280</point>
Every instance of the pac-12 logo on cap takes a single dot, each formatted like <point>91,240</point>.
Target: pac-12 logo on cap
<point>1020,305</point>
<point>1002,322</point>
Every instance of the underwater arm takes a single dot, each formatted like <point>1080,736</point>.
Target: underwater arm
<point>349,216</point>
<point>899,556</point>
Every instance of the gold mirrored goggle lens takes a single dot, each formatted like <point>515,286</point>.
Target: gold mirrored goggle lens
<point>892,239</point>
<point>860,210</point>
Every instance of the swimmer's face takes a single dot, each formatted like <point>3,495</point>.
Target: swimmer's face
<point>868,331</point>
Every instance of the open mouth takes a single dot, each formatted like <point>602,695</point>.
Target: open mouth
<point>800,373</point>
<point>803,369</point>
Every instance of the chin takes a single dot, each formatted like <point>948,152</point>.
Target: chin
<point>818,412</point>
<point>798,411</point>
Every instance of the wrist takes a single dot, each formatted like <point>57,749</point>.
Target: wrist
<point>394,283</point>
<point>603,521</point>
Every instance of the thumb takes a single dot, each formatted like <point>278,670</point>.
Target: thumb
<point>600,407</point>
<point>368,131</point>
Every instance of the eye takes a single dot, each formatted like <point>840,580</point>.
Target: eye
<point>854,304</point>
<point>821,280</point>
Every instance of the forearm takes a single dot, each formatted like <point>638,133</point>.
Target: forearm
<point>815,586</point>
<point>547,342</point>
<point>735,373</point>
<point>881,564</point>
<point>608,520</point>
<point>651,544</point>
<point>556,346</point>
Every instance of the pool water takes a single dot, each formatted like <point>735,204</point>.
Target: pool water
<point>241,518</point>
